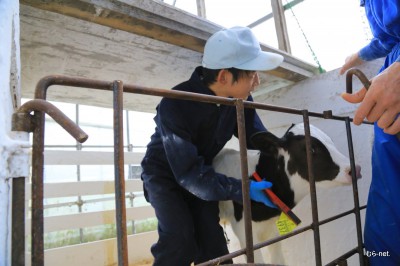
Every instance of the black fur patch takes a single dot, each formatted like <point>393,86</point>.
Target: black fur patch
<point>324,168</point>
<point>272,168</point>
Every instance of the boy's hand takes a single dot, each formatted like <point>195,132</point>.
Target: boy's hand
<point>257,192</point>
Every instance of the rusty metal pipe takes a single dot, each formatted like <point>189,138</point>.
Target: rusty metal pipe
<point>18,222</point>
<point>313,191</point>
<point>120,208</point>
<point>37,246</point>
<point>303,229</point>
<point>57,115</point>
<point>41,107</point>
<point>217,261</point>
<point>342,259</point>
<point>245,180</point>
<point>364,80</point>
<point>360,75</point>
<point>44,83</point>
<point>274,240</point>
<point>355,193</point>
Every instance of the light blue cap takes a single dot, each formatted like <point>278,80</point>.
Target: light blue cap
<point>238,47</point>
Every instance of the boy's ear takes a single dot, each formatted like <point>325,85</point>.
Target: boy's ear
<point>222,76</point>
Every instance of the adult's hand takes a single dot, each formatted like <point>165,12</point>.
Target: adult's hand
<point>351,61</point>
<point>381,102</point>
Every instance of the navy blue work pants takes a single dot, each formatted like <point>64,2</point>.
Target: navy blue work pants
<point>188,227</point>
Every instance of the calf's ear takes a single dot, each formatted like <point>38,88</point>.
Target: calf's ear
<point>264,141</point>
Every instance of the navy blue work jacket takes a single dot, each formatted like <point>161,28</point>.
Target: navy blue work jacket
<point>189,135</point>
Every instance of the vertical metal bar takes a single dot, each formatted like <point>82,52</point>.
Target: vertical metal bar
<point>37,190</point>
<point>130,172</point>
<point>355,192</point>
<point>120,208</point>
<point>18,222</point>
<point>78,171</point>
<point>129,145</point>
<point>245,181</point>
<point>313,192</point>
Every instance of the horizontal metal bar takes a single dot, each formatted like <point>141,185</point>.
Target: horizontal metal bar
<point>276,239</point>
<point>45,82</point>
<point>340,215</point>
<point>343,257</point>
<point>69,203</point>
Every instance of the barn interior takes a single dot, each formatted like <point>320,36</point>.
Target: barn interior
<point>157,44</point>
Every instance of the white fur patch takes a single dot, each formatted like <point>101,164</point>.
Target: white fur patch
<point>342,161</point>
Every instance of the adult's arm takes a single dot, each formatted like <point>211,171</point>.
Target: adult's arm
<point>381,102</point>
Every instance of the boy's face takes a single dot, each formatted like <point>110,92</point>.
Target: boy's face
<point>227,86</point>
<point>245,84</point>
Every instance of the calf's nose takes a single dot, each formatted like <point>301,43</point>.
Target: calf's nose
<point>357,171</point>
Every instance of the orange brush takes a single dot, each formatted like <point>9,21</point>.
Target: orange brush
<point>277,201</point>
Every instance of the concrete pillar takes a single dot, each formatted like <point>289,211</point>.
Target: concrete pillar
<point>14,159</point>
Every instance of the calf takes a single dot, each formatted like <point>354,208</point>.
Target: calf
<point>283,162</point>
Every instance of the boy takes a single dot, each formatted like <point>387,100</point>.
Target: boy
<point>178,177</point>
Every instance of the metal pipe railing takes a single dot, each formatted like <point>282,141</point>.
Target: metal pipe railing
<point>245,181</point>
<point>313,190</point>
<point>122,241</point>
<point>18,222</point>
<point>355,193</point>
<point>118,88</point>
<point>23,121</point>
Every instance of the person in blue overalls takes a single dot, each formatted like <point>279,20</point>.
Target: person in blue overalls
<point>381,104</point>
<point>178,177</point>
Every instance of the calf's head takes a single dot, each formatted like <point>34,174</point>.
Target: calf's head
<point>330,167</point>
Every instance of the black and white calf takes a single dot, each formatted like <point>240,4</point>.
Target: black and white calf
<point>283,162</point>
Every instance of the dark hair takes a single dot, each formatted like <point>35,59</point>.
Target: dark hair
<point>210,75</point>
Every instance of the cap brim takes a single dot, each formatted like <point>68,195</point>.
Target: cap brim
<point>264,61</point>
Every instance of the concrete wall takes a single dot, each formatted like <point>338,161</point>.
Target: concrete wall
<point>13,158</point>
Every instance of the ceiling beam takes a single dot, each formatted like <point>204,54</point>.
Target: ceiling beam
<point>162,22</point>
<point>280,25</point>
<point>271,15</point>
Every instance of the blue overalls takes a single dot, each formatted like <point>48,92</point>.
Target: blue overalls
<point>179,180</point>
<point>382,225</point>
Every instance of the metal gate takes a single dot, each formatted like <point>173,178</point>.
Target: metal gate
<point>24,121</point>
